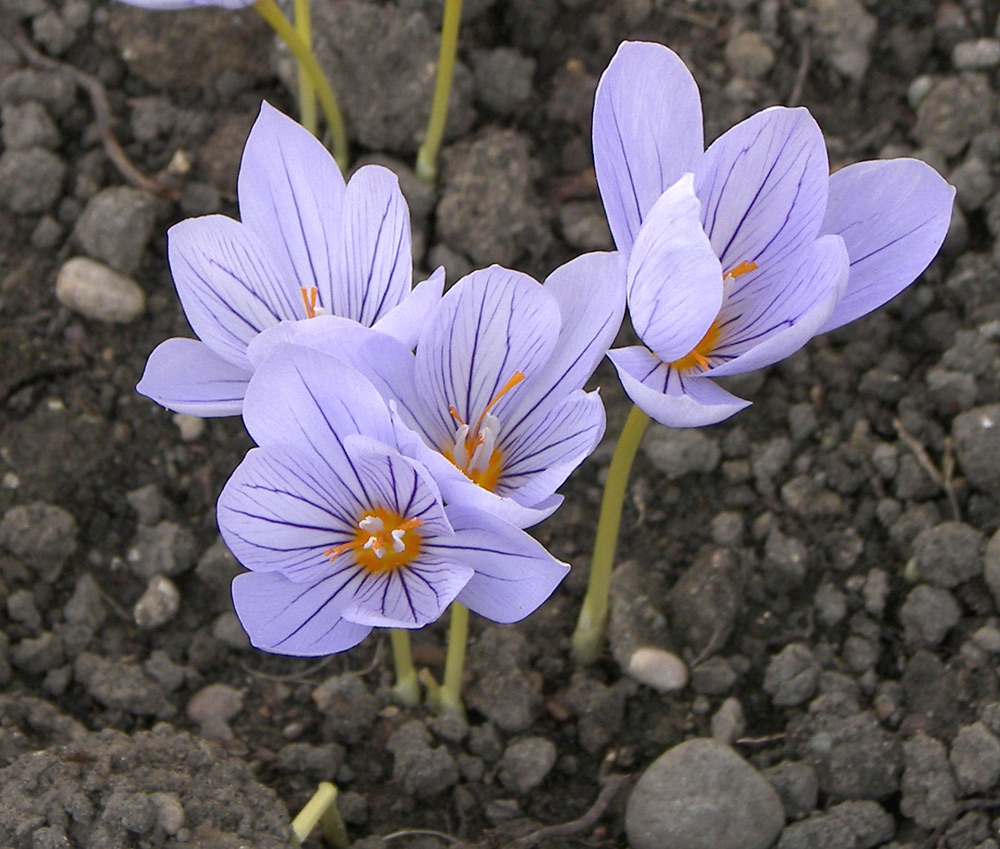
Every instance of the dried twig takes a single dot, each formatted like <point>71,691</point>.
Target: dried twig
<point>942,477</point>
<point>801,74</point>
<point>101,106</point>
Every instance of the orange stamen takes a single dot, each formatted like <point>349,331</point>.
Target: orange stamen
<point>517,377</point>
<point>309,300</point>
<point>744,267</point>
<point>367,543</point>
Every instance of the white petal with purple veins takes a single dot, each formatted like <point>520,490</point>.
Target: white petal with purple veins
<point>187,376</point>
<point>405,321</point>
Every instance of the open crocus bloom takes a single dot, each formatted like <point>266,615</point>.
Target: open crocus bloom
<point>492,402</point>
<point>343,533</point>
<point>739,254</point>
<point>172,5</point>
<point>307,245</point>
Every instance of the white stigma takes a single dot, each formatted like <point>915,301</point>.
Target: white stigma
<point>397,540</point>
<point>371,524</point>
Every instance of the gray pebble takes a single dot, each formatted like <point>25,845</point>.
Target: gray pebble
<point>85,606</point>
<point>706,601</point>
<point>421,770</point>
<point>929,790</point>
<point>849,825</point>
<point>680,451</point>
<point>987,638</point>
<point>928,614</point>
<point>152,117</point>
<point>21,608</point>
<point>228,630</point>
<point>31,180</point>
<point>456,265</point>
<point>976,433</point>
<point>164,549</point>
<point>525,764</point>
<point>502,688</point>
<point>975,759</point>
<point>97,292</point>
<point>949,554</point>
<point>702,795</point>
<point>48,233</point>
<point>584,226</point>
<point>212,707</point>
<point>42,535</point>
<point>122,685</point>
<point>973,184</point>
<point>169,812</point>
<point>134,812</point>
<point>952,112</point>
<point>158,604</point>
<point>786,562</point>
<point>27,125</point>
<point>831,605</point>
<point>347,705</point>
<point>657,668</point>
<point>318,762</point>
<point>991,567</point>
<point>854,757</point>
<point>503,78</point>
<point>39,654</point>
<point>977,55</point>
<point>845,31</point>
<point>713,677</point>
<point>163,670</point>
<point>53,88</point>
<point>115,227</point>
<point>728,528</point>
<point>749,55</point>
<point>728,722</point>
<point>951,391</point>
<point>148,503</point>
<point>797,785</point>
<point>792,675</point>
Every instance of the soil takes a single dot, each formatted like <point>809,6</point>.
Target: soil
<point>822,563</point>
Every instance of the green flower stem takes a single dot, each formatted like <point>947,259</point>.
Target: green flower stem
<point>307,93</point>
<point>427,156</point>
<point>270,12</point>
<point>322,808</point>
<point>407,686</point>
<point>593,619</point>
<point>458,638</point>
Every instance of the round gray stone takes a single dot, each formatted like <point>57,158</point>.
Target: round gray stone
<point>702,795</point>
<point>97,292</point>
<point>977,443</point>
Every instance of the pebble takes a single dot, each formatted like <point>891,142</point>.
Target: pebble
<point>797,785</point>
<point>55,89</point>
<point>707,600</point>
<point>928,614</point>
<point>191,427</point>
<point>48,233</point>
<point>148,503</point>
<point>987,638</point>
<point>662,670</point>
<point>31,180</point>
<point>749,55</point>
<point>854,757</point>
<point>347,705</point>
<point>164,549</point>
<point>831,605</point>
<point>977,55</point>
<point>212,707</point>
<point>502,687</point>
<point>21,608</point>
<point>525,764</point>
<point>975,759</point>
<point>849,825</point>
<point>503,79</point>
<point>158,604</point>
<point>169,812</point>
<point>115,227</point>
<point>702,795</point>
<point>97,292</point>
<point>122,686</point>
<point>27,125</point>
<point>952,112</point>
<point>86,605</point>
<point>714,676</point>
<point>845,30</point>
<point>949,554</point>
<point>318,762</point>
<point>792,675</point>
<point>43,536</point>
<point>728,722</point>
<point>973,184</point>
<point>36,655</point>
<point>929,789</point>
<point>422,771</point>
<point>227,629</point>
<point>680,451</point>
<point>785,563</point>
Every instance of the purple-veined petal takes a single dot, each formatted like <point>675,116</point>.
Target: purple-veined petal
<point>548,446</point>
<point>514,574</point>
<point>297,619</point>
<point>302,397</point>
<point>282,510</point>
<point>763,187</point>
<point>229,289</point>
<point>463,491</point>
<point>187,376</point>
<point>777,320</point>
<point>319,333</point>
<point>373,262</point>
<point>894,216</point>
<point>668,396</point>
<point>405,321</point>
<point>174,5</point>
<point>674,277</point>
<point>291,193</point>
<point>647,132</point>
<point>491,325</point>
<point>411,596</point>
<point>590,291</point>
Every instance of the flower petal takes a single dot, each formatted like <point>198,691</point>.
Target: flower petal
<point>404,321</point>
<point>894,216</point>
<point>669,397</point>
<point>647,132</point>
<point>461,490</point>
<point>411,596</point>
<point>774,321</point>
<point>302,397</point>
<point>514,574</point>
<point>763,187</point>
<point>674,278</point>
<point>229,289</point>
<point>287,618</point>
<point>491,324</point>
<point>187,376</point>
<point>373,264</point>
<point>291,193</point>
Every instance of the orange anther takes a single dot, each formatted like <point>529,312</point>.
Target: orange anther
<point>744,267</point>
<point>309,300</point>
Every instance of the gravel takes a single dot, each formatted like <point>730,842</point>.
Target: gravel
<point>797,785</point>
<point>525,764</point>
<point>929,789</point>
<point>31,180</point>
<point>977,444</point>
<point>948,554</point>
<point>928,614</point>
<point>975,759</point>
<point>680,451</point>
<point>792,676</point>
<point>27,125</point>
<point>43,536</point>
<point>97,292</point>
<point>115,227</point>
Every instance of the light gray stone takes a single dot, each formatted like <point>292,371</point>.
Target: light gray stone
<point>525,764</point>
<point>928,614</point>
<point>792,675</point>
<point>677,452</point>
<point>115,226</point>
<point>929,789</point>
<point>31,180</point>
<point>975,758</point>
<point>96,291</point>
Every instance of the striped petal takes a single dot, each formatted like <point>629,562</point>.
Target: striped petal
<point>404,321</point>
<point>187,376</point>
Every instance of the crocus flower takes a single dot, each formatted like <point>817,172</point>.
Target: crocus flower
<point>343,533</point>
<point>307,245</point>
<point>740,253</point>
<point>492,402</point>
<point>172,5</point>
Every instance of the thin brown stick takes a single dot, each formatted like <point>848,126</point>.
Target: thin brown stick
<point>942,478</point>
<point>102,111</point>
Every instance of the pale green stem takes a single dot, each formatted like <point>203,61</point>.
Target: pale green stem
<point>593,619</point>
<point>454,664</point>
<point>322,808</point>
<point>407,688</point>
<point>270,12</point>
<point>427,156</point>
<point>307,94</point>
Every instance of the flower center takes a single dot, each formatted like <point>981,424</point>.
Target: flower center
<point>383,542</point>
<point>475,451</point>
<point>698,356</point>
<point>309,300</point>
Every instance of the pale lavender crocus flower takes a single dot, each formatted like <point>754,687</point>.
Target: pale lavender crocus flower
<point>492,402</point>
<point>343,533</point>
<point>173,5</point>
<point>306,245</point>
<point>740,253</point>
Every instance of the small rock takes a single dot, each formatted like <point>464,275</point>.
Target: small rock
<point>190,427</point>
<point>845,30</point>
<point>677,452</point>
<point>952,112</point>
<point>855,758</point>
<point>502,688</point>
<point>21,608</point>
<point>797,786</point>
<point>169,812</point>
<point>55,89</point>
<point>86,605</point>
<point>659,669</point>
<point>948,554</point>
<point>831,605</point>
<point>702,795</point>
<point>212,707</point>
<point>977,55</point>
<point>728,722</point>
<point>97,292</point>
<point>975,758</point>
<point>976,433</point>
<point>792,675</point>
<point>525,764</point>
<point>115,227</point>
<point>148,503</point>
<point>27,125</point>
<point>42,535</point>
<point>714,676</point>
<point>318,762</point>
<point>158,604</point>
<point>928,614</point>
<point>929,790</point>
<point>421,770</point>
<point>122,686</point>
<point>503,78</point>
<point>599,711</point>
<point>227,629</point>
<point>164,549</point>
<point>973,183</point>
<point>785,564</point>
<point>706,600</point>
<point>347,705</point>
<point>636,617</point>
<point>34,656</point>
<point>31,180</point>
<point>749,55</point>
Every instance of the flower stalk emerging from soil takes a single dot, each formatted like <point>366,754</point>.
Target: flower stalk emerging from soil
<point>434,135</point>
<point>322,809</point>
<point>307,91</point>
<point>407,686</point>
